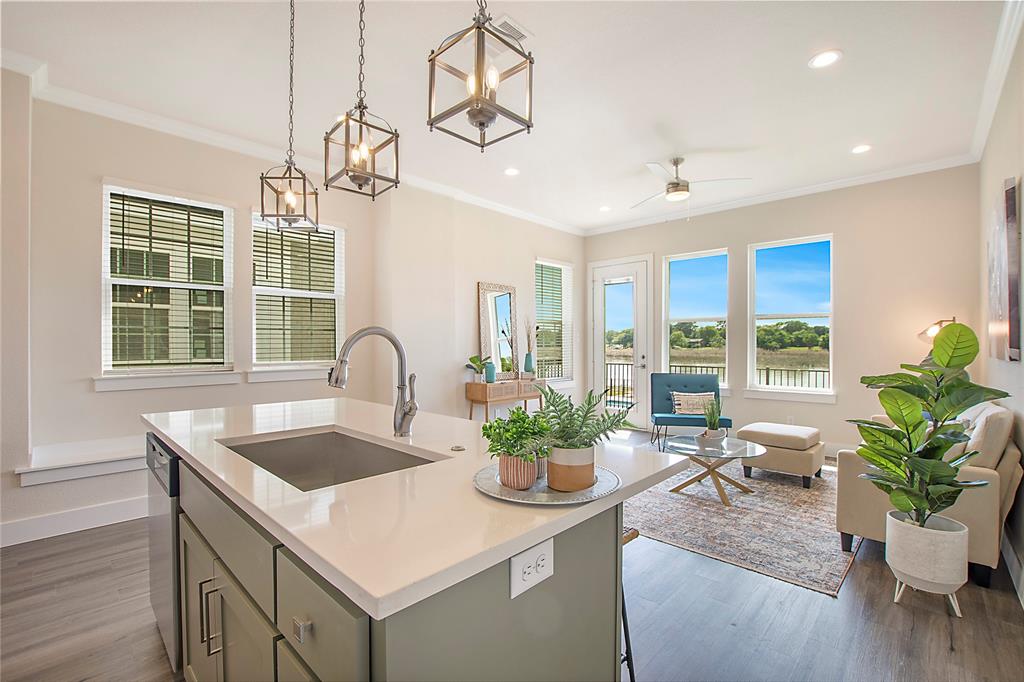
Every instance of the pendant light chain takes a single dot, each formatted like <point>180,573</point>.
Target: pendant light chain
<point>361,92</point>
<point>481,13</point>
<point>290,161</point>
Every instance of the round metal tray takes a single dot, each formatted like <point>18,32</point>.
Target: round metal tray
<point>486,481</point>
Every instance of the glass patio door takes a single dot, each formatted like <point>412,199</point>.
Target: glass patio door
<point>620,342</point>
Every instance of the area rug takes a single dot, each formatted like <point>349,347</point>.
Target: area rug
<point>781,529</point>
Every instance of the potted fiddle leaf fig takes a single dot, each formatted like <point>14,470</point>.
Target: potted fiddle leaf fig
<point>916,460</point>
<point>478,365</point>
<point>517,442</point>
<point>573,432</point>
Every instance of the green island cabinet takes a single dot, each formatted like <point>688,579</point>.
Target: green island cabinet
<point>253,611</point>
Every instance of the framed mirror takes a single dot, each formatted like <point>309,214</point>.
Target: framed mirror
<point>498,327</point>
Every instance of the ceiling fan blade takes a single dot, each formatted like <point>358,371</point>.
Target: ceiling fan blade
<point>694,182</point>
<point>660,171</point>
<point>653,196</point>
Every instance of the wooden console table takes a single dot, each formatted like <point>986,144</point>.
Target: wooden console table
<point>501,392</point>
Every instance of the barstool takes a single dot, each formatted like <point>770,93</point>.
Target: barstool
<point>628,535</point>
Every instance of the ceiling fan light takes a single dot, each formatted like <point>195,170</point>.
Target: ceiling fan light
<point>677,195</point>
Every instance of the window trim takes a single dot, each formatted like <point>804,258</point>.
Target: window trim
<point>110,376</point>
<point>756,390</point>
<point>666,279</point>
<point>292,370</point>
<point>568,322</point>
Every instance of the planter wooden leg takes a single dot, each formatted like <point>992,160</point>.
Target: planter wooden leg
<point>900,587</point>
<point>955,604</point>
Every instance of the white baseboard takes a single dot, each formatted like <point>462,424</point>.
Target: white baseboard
<point>1014,566</point>
<point>49,525</point>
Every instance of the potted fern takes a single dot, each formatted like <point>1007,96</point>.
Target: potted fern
<point>573,432</point>
<point>916,460</point>
<point>713,433</point>
<point>518,443</point>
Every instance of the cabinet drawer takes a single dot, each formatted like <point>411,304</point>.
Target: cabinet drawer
<point>290,667</point>
<point>335,632</point>
<point>247,552</point>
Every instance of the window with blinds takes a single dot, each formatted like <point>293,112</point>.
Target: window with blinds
<point>164,283</point>
<point>297,294</point>
<point>554,340</point>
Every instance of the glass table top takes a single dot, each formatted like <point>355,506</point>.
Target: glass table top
<point>730,448</point>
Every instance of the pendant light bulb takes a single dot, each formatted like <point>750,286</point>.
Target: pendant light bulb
<point>471,84</point>
<point>492,78</point>
<point>290,199</point>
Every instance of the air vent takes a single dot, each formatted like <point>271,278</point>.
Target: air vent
<point>511,27</point>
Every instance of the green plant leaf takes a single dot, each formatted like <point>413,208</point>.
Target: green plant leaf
<point>907,500</point>
<point>969,484</point>
<point>962,397</point>
<point>931,470</point>
<point>884,487</point>
<point>955,346</point>
<point>902,408</point>
<point>880,476</point>
<point>889,440</point>
<point>894,380</point>
<point>963,459</point>
<point>882,462</point>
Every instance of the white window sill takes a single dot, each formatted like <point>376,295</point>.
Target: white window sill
<point>561,384</point>
<point>288,373</point>
<point>828,397</point>
<point>135,382</point>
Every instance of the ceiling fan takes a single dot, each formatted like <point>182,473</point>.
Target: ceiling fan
<point>676,188</point>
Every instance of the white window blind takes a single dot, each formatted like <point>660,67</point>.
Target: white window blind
<point>553,292</point>
<point>166,262</point>
<point>298,294</point>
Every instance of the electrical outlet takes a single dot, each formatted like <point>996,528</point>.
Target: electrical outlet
<point>530,567</point>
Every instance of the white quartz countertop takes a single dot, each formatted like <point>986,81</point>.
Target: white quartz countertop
<point>392,540</point>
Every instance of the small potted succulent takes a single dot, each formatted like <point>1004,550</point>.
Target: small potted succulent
<point>517,442</point>
<point>478,365</point>
<point>713,433</point>
<point>573,430</point>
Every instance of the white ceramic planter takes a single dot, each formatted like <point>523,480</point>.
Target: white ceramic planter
<point>571,469</point>
<point>711,438</point>
<point>932,558</point>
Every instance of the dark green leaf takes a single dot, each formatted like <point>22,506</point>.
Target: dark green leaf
<point>931,469</point>
<point>954,402</point>
<point>894,380</point>
<point>889,440</point>
<point>907,500</point>
<point>868,454</point>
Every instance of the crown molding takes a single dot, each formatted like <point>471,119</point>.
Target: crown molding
<point>1010,24</point>
<point>842,183</point>
<point>26,66</point>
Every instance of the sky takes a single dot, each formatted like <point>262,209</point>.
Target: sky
<point>790,279</point>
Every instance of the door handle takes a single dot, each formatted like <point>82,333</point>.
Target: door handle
<point>205,616</point>
<point>202,610</point>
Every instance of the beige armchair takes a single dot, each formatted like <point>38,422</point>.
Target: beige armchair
<point>861,507</point>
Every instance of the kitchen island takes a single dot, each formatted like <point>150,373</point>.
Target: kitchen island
<point>403,575</point>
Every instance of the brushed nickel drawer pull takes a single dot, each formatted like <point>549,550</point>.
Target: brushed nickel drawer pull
<point>206,615</point>
<point>301,628</point>
<point>202,610</point>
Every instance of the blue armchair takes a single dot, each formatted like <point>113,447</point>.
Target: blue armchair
<point>662,416</point>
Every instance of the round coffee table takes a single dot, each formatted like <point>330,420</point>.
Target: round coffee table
<point>713,457</point>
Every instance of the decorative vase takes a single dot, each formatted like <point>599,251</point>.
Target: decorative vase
<point>528,363</point>
<point>490,373</point>
<point>932,558</point>
<point>516,473</point>
<point>711,438</point>
<point>571,469</point>
<point>542,467</point>
<point>479,378</point>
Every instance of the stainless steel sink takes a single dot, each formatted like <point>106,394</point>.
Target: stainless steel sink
<point>318,460</point>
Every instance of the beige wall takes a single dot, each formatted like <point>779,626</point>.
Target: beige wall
<point>431,252</point>
<point>72,153</point>
<point>904,254</point>
<point>1003,158</point>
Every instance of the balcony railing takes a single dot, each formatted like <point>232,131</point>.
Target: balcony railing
<point>619,378</point>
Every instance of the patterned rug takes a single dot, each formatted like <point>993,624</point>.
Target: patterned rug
<point>780,530</point>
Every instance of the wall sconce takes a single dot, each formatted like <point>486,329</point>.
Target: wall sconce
<point>928,334</point>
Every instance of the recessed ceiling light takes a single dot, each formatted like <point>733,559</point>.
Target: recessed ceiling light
<point>860,149</point>
<point>605,209</point>
<point>826,58</point>
<point>511,171</point>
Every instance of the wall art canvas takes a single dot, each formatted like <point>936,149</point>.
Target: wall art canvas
<point>1004,277</point>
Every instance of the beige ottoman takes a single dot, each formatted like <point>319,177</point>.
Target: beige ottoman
<point>796,450</point>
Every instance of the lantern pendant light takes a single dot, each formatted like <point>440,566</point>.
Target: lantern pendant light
<point>478,62</point>
<point>288,198</point>
<point>361,148</point>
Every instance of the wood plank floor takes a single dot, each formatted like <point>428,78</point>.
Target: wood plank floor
<point>76,607</point>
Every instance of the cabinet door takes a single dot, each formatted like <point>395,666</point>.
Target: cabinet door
<point>242,636</point>
<point>197,575</point>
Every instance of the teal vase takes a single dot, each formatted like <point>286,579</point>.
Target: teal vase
<point>528,363</point>
<point>490,374</point>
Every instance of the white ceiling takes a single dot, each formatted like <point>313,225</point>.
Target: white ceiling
<point>617,84</point>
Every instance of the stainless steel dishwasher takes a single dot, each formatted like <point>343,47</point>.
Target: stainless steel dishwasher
<point>163,545</point>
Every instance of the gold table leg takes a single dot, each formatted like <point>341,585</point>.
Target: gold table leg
<point>710,471</point>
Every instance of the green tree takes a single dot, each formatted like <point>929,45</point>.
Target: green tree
<point>677,340</point>
<point>805,339</point>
